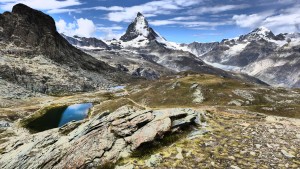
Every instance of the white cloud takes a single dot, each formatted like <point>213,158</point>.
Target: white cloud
<point>112,32</point>
<point>86,28</point>
<point>184,18</point>
<point>191,24</point>
<point>66,28</point>
<point>81,27</point>
<point>39,4</point>
<point>150,9</point>
<point>217,9</point>
<point>283,21</point>
<point>64,10</point>
<point>250,21</point>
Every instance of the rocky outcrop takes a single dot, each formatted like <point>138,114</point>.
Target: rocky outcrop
<point>147,73</point>
<point>100,140</point>
<point>36,57</point>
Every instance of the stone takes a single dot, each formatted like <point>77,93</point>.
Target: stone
<point>4,123</point>
<point>231,157</point>
<point>194,86</point>
<point>252,153</point>
<point>154,160</point>
<point>258,146</point>
<point>234,167</point>
<point>271,130</point>
<point>244,94</point>
<point>189,153</point>
<point>286,154</point>
<point>235,102</point>
<point>198,96</point>
<point>179,156</point>
<point>127,166</point>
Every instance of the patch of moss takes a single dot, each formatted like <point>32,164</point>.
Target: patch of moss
<point>108,165</point>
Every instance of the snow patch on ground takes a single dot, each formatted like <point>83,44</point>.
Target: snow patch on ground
<point>88,47</point>
<point>236,49</point>
<point>279,43</point>
<point>139,41</point>
<point>258,67</point>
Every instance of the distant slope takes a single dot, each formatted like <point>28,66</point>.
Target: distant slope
<point>86,43</point>
<point>274,59</point>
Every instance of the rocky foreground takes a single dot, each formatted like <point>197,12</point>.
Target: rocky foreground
<point>168,138</point>
<point>100,140</point>
<point>230,140</point>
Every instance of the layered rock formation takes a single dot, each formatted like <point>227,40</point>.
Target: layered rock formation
<point>100,140</point>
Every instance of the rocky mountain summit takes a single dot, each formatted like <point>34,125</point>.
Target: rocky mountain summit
<point>139,28</point>
<point>272,58</point>
<point>35,56</point>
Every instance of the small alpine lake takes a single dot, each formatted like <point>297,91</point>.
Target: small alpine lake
<point>58,116</point>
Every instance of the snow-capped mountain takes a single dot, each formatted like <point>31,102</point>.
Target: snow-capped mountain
<point>274,59</point>
<point>143,52</point>
<point>139,30</point>
<point>86,43</point>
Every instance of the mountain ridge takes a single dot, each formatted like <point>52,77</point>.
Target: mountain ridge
<point>147,47</point>
<point>260,53</point>
<point>37,57</point>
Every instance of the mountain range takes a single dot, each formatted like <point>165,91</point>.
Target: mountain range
<point>274,59</point>
<point>141,51</point>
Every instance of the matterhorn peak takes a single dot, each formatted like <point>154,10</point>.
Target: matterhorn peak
<point>139,28</point>
<point>139,14</point>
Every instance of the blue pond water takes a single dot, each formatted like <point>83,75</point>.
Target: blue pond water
<point>75,112</point>
<point>59,116</point>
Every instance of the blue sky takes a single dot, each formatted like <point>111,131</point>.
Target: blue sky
<point>177,20</point>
